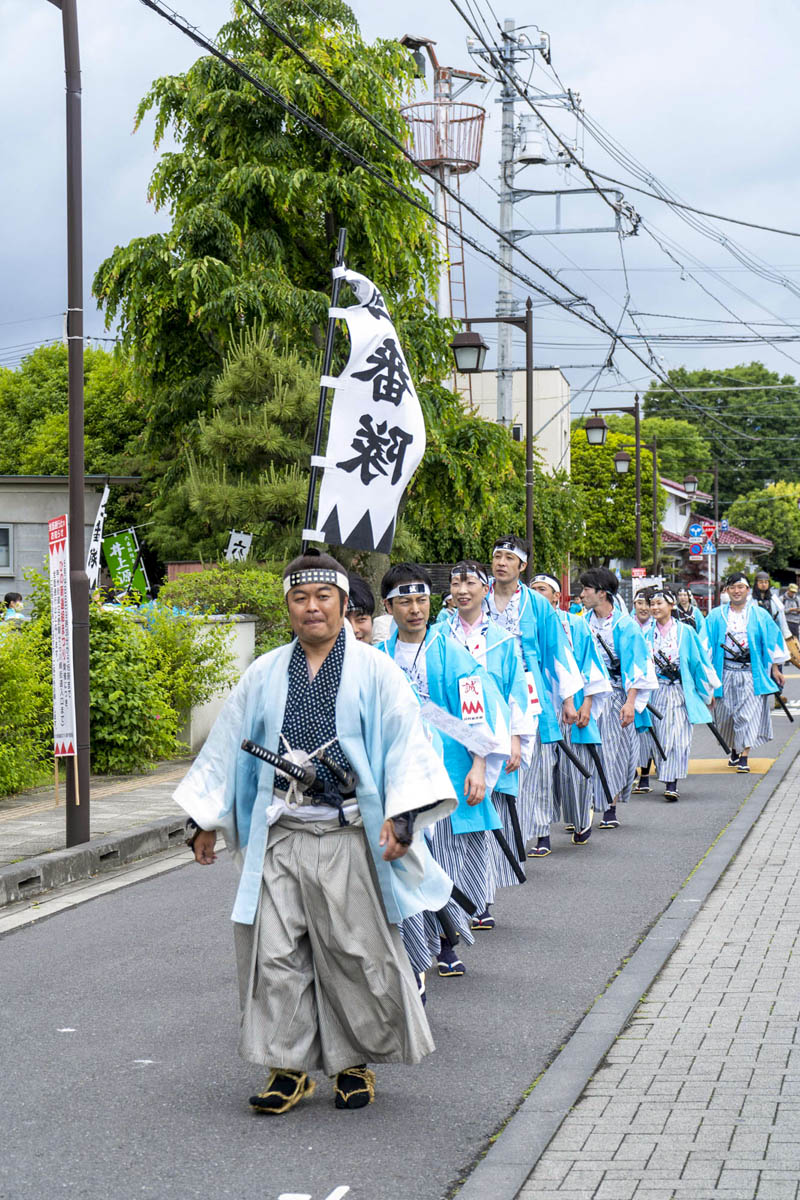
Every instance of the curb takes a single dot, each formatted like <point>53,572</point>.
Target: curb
<point>32,876</point>
<point>502,1173</point>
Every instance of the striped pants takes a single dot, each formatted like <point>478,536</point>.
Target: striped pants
<point>502,874</point>
<point>537,804</point>
<point>619,752</point>
<point>742,717</point>
<point>674,732</point>
<point>465,858</point>
<point>575,793</point>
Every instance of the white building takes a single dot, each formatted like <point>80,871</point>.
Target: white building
<point>551,405</point>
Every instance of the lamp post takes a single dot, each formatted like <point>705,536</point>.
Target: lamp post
<point>690,485</point>
<point>469,351</point>
<point>77,807</point>
<point>596,433</point>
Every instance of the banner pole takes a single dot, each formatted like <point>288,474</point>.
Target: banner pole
<point>323,391</point>
<point>55,780</point>
<point>75,772</point>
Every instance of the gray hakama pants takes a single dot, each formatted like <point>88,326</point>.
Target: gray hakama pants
<point>742,717</point>
<point>575,793</point>
<point>537,803</point>
<point>619,752</point>
<point>674,732</point>
<point>324,980</point>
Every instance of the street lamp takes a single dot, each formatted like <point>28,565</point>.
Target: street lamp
<point>622,462</point>
<point>470,349</point>
<point>596,431</point>
<point>690,484</point>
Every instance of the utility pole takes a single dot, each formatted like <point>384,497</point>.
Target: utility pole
<point>505,295</point>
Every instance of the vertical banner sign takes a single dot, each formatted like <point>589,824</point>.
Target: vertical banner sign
<point>376,435</point>
<point>121,552</point>
<point>238,546</point>
<point>93,557</point>
<point>64,738</point>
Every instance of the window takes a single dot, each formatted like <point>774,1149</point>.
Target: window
<point>6,550</point>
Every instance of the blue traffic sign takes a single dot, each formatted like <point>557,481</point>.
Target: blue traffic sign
<point>724,526</point>
<point>695,531</point>
<point>709,547</point>
<point>695,550</point>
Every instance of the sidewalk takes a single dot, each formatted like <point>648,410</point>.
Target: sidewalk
<point>699,1097</point>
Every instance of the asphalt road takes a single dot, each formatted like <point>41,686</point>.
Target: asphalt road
<point>119,1069</point>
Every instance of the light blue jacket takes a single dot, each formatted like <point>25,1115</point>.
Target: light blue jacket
<point>699,680</point>
<point>764,638</point>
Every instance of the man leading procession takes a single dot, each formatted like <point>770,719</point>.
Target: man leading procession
<point>375,797</point>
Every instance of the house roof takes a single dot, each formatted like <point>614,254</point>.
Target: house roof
<point>680,490</point>
<point>731,538</point>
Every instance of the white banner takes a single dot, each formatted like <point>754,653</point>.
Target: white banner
<point>238,546</point>
<point>64,739</point>
<point>93,557</point>
<point>376,437</point>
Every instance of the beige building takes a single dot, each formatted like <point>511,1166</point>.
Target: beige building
<point>551,409</point>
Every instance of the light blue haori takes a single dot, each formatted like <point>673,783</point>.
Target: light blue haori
<point>635,658</point>
<point>498,652</point>
<point>380,730</point>
<point>546,652</point>
<point>445,664</point>
<point>592,667</point>
<point>699,680</point>
<point>764,639</point>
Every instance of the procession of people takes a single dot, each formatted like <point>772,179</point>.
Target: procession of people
<point>379,779</point>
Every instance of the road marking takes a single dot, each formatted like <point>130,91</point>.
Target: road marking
<point>719,766</point>
<point>73,894</point>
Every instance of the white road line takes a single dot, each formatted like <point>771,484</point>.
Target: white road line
<point>17,916</point>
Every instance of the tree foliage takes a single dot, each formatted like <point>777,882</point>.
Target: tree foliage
<point>682,448</point>
<point>608,500</point>
<point>747,430</point>
<point>772,513</point>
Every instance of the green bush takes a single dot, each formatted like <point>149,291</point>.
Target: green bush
<point>195,659</point>
<point>236,588</point>
<point>133,722</point>
<point>26,706</point>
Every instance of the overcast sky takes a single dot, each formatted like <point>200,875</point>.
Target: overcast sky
<point>703,94</point>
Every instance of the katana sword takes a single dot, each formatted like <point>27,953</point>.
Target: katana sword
<point>463,901</point>
<point>652,709</point>
<point>507,851</point>
<point>447,927</point>
<point>573,758</point>
<point>657,743</point>
<point>513,816</point>
<point>615,671</point>
<point>594,754</point>
<point>306,774</point>
<point>782,703</point>
<point>713,728</point>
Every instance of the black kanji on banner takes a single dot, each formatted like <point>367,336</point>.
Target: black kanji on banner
<point>377,448</point>
<point>389,376</point>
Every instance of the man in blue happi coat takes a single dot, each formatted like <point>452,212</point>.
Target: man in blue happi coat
<point>328,866</point>
<point>748,651</point>
<point>553,680</point>
<point>460,700</point>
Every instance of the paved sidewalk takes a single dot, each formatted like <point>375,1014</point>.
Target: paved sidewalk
<point>31,824</point>
<point>699,1097</point>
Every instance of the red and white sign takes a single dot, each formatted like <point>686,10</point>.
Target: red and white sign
<point>638,572</point>
<point>709,529</point>
<point>64,739</point>
<point>470,695</point>
<point>534,702</point>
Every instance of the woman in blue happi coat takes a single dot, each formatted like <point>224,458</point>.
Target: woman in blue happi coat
<point>496,650</point>
<point>474,750</point>
<point>686,684</point>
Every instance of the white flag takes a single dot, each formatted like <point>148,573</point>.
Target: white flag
<point>93,557</point>
<point>376,436</point>
<point>64,739</point>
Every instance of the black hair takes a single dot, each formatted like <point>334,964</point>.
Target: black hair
<point>314,561</point>
<point>404,572</point>
<point>735,577</point>
<point>11,598</point>
<point>647,593</point>
<point>515,541</point>
<point>467,566</point>
<point>601,579</point>
<point>361,597</point>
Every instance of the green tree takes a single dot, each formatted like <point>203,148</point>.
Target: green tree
<point>773,513</point>
<point>608,500</point>
<point>682,449</point>
<point>747,429</point>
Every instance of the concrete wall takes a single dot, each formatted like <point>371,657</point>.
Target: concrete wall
<point>550,400</point>
<point>27,505</point>
<point>242,642</point>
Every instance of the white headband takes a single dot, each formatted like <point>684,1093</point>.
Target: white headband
<point>409,589</point>
<point>512,549</point>
<point>550,580</point>
<point>316,575</point>
<point>459,571</point>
